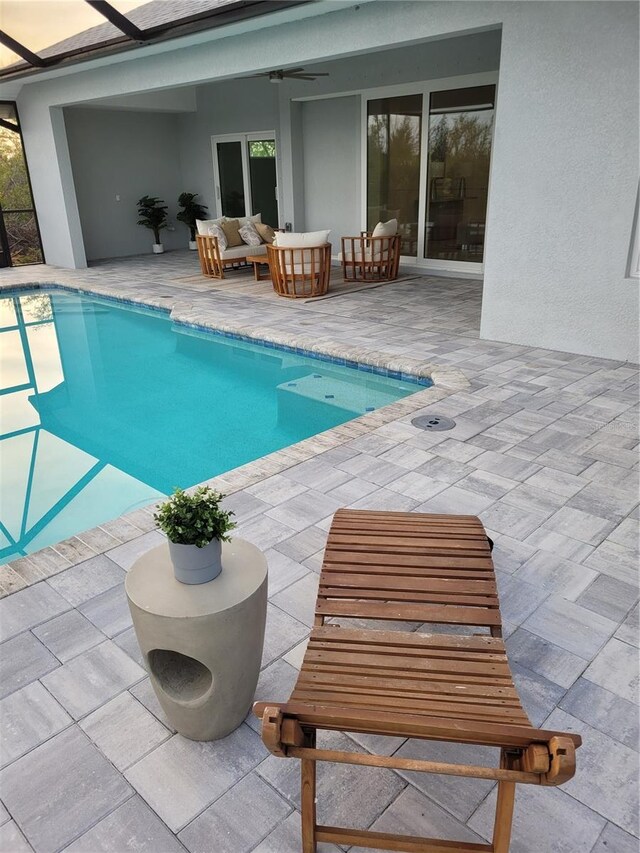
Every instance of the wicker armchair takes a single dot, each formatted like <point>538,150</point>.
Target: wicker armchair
<point>300,272</point>
<point>367,258</point>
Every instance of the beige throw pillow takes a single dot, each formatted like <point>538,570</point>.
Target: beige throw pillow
<point>265,231</point>
<point>231,232</point>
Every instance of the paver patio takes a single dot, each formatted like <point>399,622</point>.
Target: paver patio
<point>544,451</point>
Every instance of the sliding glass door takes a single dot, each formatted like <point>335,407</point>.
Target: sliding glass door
<point>245,176</point>
<point>460,132</point>
<point>427,165</point>
<point>394,128</point>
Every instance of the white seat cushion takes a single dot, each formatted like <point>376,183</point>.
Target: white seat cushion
<point>293,240</point>
<point>242,252</point>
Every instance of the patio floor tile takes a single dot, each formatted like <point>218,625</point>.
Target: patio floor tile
<point>12,840</point>
<point>539,695</point>
<point>616,669</point>
<point>556,574</point>
<point>567,827</point>
<point>22,660</point>
<point>544,658</point>
<point>181,777</point>
<point>127,553</point>
<point>49,813</point>
<point>108,611</point>
<point>347,795</point>
<point>286,839</point>
<point>298,600</point>
<point>282,633</point>
<point>132,826</point>
<point>68,635</point>
<point>609,597</point>
<point>573,522</point>
<point>412,813</point>
<point>615,840</point>
<point>124,731</point>
<point>570,626</point>
<point>84,683</point>
<point>29,607</point>
<point>240,819</point>
<point>82,582</point>
<point>28,717</point>
<point>606,711</point>
<point>458,795</point>
<point>607,773</point>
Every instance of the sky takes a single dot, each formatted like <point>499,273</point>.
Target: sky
<point>40,23</point>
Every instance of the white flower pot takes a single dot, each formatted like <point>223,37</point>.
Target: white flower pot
<point>193,245</point>
<point>158,248</point>
<point>196,565</point>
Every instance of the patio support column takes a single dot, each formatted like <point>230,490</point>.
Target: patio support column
<point>291,159</point>
<point>47,153</point>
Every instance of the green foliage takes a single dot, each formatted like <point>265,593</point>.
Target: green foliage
<point>194,519</point>
<point>262,148</point>
<point>153,214</point>
<point>15,194</point>
<point>191,210</point>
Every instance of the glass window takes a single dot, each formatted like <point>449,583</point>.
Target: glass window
<point>262,173</point>
<point>231,178</point>
<point>460,131</point>
<point>19,235</point>
<point>393,165</point>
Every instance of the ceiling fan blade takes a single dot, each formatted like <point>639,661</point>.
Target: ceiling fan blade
<point>300,77</point>
<point>292,70</point>
<point>247,76</point>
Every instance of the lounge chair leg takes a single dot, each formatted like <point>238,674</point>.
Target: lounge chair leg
<point>308,796</point>
<point>504,811</point>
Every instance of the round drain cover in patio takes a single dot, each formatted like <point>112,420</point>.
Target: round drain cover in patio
<point>433,422</point>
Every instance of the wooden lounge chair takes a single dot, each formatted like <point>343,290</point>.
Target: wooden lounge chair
<point>443,687</point>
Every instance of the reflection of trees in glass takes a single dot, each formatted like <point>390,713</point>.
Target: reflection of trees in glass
<point>16,194</point>
<point>394,165</point>
<point>462,141</point>
<point>263,148</point>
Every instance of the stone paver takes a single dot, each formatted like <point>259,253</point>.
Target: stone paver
<point>544,450</point>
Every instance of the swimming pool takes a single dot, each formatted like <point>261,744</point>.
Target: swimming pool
<point>105,407</point>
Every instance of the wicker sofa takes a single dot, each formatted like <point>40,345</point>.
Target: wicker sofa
<point>213,258</point>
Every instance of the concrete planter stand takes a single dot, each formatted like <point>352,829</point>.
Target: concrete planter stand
<point>202,644</point>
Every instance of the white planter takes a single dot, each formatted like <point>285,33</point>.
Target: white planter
<point>196,565</point>
<point>158,248</point>
<point>193,245</point>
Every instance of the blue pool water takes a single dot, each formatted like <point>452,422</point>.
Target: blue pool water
<point>105,407</point>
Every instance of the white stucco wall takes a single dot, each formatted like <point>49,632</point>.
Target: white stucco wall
<point>331,156</point>
<point>564,171</point>
<point>235,106</point>
<point>127,154</point>
<point>564,181</point>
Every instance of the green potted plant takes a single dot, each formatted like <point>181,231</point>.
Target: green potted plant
<point>196,526</point>
<point>191,210</point>
<point>153,215</point>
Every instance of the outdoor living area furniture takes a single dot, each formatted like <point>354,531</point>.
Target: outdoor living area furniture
<point>214,260</point>
<point>443,687</point>
<point>300,264</point>
<point>258,262</point>
<point>369,258</point>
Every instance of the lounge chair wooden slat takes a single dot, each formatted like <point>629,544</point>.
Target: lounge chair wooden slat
<point>454,688</point>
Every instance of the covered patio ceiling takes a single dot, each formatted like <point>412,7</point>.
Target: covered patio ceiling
<point>113,27</point>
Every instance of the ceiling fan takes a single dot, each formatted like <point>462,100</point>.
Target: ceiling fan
<point>279,74</point>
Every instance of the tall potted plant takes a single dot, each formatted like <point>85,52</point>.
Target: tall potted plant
<point>191,210</point>
<point>153,215</point>
<point>196,526</point>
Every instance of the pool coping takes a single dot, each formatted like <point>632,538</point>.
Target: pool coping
<point>51,560</point>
